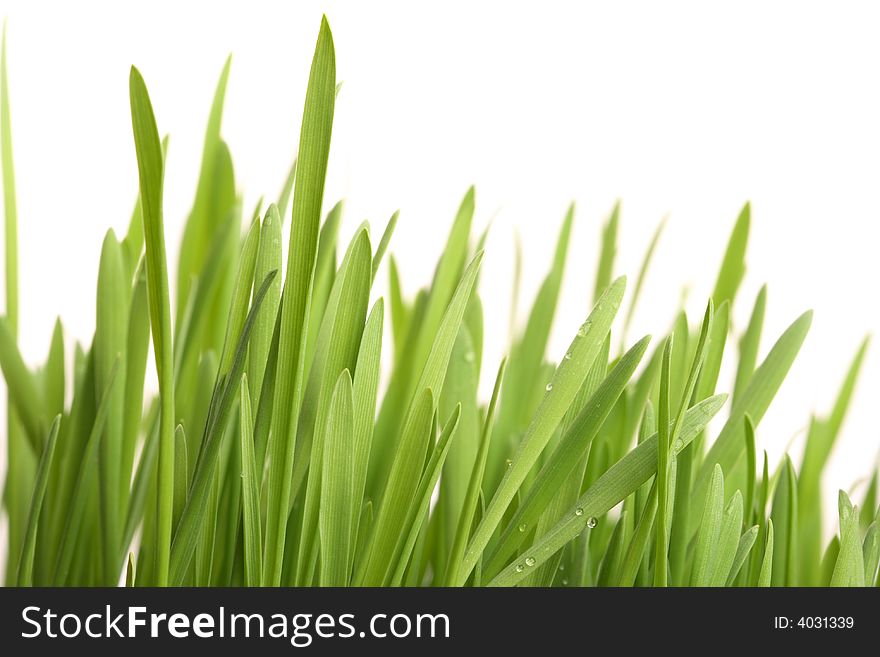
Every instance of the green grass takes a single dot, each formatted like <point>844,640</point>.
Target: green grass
<point>272,456</point>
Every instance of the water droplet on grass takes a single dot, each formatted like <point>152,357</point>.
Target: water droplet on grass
<point>592,522</point>
<point>530,561</point>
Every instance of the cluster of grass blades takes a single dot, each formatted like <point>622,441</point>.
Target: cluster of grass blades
<point>269,456</point>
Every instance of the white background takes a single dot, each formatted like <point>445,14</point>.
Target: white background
<point>681,109</point>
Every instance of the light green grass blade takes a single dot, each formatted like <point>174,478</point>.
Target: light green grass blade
<point>286,191</point>
<point>821,437</point>
<point>338,501</point>
<point>26,561</point>
<point>471,498</point>
<point>784,516</point>
<point>111,332</point>
<point>365,391</point>
<point>308,192</point>
<point>765,576</point>
<point>620,481</point>
<point>79,499</point>
<point>751,465</point>
<point>402,481</point>
<point>208,206</point>
<point>664,443</point>
<point>325,275</point>
<point>869,502</point>
<point>241,295</point>
<point>384,241</point>
<point>733,265</point>
<point>749,344</point>
<point>526,361</point>
<point>570,451</point>
<point>421,500</point>
<point>871,550</point>
<point>728,541</point>
<point>151,170</point>
<point>743,549</point>
<point>10,209</point>
<point>136,353</point>
<point>640,280</point>
<point>635,552</point>
<point>337,348</point>
<point>226,391</point>
<point>181,470</point>
<point>729,447</point>
<point>849,570</point>
<point>24,396</point>
<point>607,253</point>
<point>268,259</point>
<point>53,374</point>
<point>560,392</point>
<point>710,529</point>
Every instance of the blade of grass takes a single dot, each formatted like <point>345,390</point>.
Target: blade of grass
<point>469,505</point>
<point>338,502</point>
<point>570,451</point>
<point>560,393</point>
<point>226,391</point>
<point>151,170</point>
<point>308,193</point>
<point>748,345</point>
<point>621,480</point>
<point>26,561</point>
<point>733,264</point>
<point>849,570</point>
<point>729,446</point>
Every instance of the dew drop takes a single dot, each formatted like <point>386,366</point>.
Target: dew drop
<point>548,387</point>
<point>561,567</point>
<point>519,568</point>
<point>678,445</point>
<point>578,511</point>
<point>508,463</point>
<point>565,582</point>
<point>522,528</point>
<point>592,522</point>
<point>469,357</point>
<point>567,357</point>
<point>530,561</point>
<point>585,328</point>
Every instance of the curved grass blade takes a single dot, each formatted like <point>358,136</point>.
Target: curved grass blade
<point>79,497</point>
<point>618,482</point>
<point>849,570</point>
<point>26,561</point>
<point>471,498</point>
<point>151,169</point>
<point>765,576</point>
<point>743,548</point>
<point>188,530</point>
<point>728,541</point>
<point>733,265</point>
<point>729,446</point>
<point>749,344</point>
<point>571,450</point>
<point>414,524</point>
<point>560,393</point>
